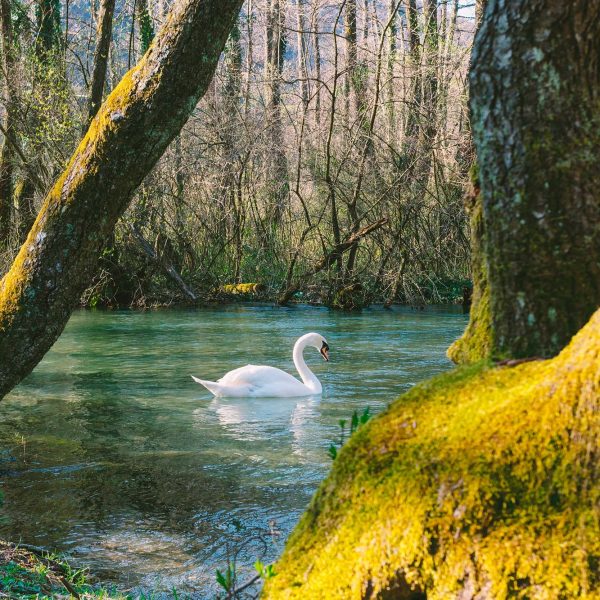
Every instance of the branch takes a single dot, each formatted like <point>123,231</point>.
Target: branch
<point>167,267</point>
<point>331,257</point>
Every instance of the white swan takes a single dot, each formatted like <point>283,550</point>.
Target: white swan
<point>261,381</point>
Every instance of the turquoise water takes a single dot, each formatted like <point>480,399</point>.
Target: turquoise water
<point>111,453</point>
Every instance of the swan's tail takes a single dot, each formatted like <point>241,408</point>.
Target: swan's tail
<point>211,386</point>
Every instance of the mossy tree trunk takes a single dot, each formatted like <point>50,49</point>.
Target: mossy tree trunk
<point>49,36</point>
<point>475,343</point>
<point>145,25</point>
<point>535,103</point>
<point>129,134</point>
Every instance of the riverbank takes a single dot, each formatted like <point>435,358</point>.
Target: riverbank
<point>480,483</point>
<point>28,573</point>
<point>105,293</point>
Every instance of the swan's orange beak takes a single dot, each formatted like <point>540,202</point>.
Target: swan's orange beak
<point>325,351</point>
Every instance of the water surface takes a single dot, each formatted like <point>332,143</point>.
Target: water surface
<point>109,451</point>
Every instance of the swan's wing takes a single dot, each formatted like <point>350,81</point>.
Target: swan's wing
<point>257,376</point>
<point>263,381</point>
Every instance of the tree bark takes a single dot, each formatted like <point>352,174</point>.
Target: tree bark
<point>145,25</point>
<point>414,52</point>
<point>535,89</point>
<point>129,134</point>
<point>302,52</point>
<point>315,24</point>
<point>103,37</point>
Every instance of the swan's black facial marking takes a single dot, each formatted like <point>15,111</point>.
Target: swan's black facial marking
<point>325,351</point>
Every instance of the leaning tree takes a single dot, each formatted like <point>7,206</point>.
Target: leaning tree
<point>125,139</point>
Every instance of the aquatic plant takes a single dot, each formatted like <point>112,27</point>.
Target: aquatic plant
<point>355,422</point>
<point>482,481</point>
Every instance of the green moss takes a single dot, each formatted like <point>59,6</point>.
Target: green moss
<point>476,342</point>
<point>350,297</point>
<point>481,481</point>
<point>242,288</point>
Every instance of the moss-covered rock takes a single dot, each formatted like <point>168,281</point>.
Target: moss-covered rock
<point>482,483</point>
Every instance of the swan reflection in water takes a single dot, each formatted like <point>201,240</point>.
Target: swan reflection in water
<point>254,419</point>
<point>255,403</point>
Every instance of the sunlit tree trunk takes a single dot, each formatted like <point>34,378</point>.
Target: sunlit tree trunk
<point>278,183</point>
<point>414,52</point>
<point>535,87</point>
<point>391,60</point>
<point>249,56</point>
<point>317,58</point>
<point>351,53</point>
<point>428,120</point>
<point>231,99</point>
<point>126,138</point>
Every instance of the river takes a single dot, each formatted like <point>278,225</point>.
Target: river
<point>111,453</point>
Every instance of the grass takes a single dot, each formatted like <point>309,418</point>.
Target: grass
<point>28,575</point>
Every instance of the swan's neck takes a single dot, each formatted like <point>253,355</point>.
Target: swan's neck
<point>308,377</point>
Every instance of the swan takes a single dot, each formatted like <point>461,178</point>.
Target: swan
<point>262,381</point>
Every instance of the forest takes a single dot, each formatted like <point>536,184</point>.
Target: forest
<point>327,161</point>
<point>415,179</point>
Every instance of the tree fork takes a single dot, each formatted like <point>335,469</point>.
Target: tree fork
<point>129,134</point>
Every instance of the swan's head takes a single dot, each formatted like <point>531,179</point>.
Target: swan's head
<point>319,342</point>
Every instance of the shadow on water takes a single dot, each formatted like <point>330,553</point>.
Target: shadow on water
<point>110,452</point>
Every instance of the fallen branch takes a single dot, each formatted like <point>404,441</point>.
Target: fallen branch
<point>330,258</point>
<point>167,267</point>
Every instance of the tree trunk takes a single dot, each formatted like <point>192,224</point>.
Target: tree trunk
<point>391,60</point>
<point>428,117</point>
<point>535,89</point>
<point>315,23</point>
<point>351,55</point>
<point>103,37</point>
<point>145,25</point>
<point>302,52</point>
<point>7,154</point>
<point>49,36</point>
<point>414,52</point>
<point>129,134</point>
<point>278,184</point>
<point>475,343</point>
